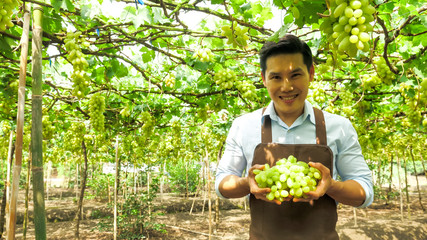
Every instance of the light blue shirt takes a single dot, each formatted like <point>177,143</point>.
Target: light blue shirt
<point>245,135</point>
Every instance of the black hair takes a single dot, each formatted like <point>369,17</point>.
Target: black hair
<point>287,44</point>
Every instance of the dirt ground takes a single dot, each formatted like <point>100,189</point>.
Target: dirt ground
<point>379,221</point>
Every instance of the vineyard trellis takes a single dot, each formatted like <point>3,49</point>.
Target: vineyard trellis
<point>168,83</point>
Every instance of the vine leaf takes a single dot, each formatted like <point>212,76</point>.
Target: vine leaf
<point>280,33</point>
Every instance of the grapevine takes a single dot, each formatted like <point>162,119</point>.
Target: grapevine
<point>225,78</point>
<point>236,36</point>
<point>73,43</point>
<point>6,8</point>
<point>96,111</point>
<point>288,178</point>
<point>348,25</point>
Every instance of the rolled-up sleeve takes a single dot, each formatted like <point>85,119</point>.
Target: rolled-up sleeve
<point>233,161</point>
<point>351,164</point>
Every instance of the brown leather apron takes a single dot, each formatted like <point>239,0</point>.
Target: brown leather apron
<point>293,220</point>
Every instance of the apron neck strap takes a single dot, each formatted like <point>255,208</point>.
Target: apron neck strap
<point>266,135</point>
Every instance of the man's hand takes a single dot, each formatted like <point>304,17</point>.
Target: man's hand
<point>322,186</point>
<point>259,193</point>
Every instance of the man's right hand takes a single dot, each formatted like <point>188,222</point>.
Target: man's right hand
<point>259,193</point>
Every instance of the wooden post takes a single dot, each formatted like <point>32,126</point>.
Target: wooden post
<point>36,130</point>
<point>208,176</point>
<point>116,187</point>
<point>416,177</point>
<point>27,196</point>
<point>20,124</point>
<point>400,188</point>
<point>82,192</point>
<point>6,197</point>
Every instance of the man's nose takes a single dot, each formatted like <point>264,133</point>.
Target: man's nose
<point>286,85</point>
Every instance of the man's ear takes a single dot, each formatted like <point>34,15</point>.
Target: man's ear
<point>263,79</point>
<point>311,73</point>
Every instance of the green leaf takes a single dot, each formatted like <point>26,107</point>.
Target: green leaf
<point>142,16</point>
<point>217,1</point>
<point>280,33</point>
<point>419,72</point>
<point>4,46</point>
<point>201,66</point>
<point>70,5</point>
<point>56,4</point>
<point>288,19</point>
<point>147,54</point>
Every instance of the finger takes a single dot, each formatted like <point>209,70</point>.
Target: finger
<point>322,168</point>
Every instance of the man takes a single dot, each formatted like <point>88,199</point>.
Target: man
<point>289,125</point>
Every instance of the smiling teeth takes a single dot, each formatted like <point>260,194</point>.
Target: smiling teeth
<point>287,98</point>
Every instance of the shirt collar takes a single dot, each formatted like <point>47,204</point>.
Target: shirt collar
<point>308,113</point>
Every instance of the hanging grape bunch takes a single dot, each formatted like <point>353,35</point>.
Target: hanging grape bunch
<point>170,80</point>
<point>48,128</point>
<point>204,54</point>
<point>247,89</point>
<point>348,25</point>
<point>96,111</point>
<point>225,78</point>
<point>6,7</point>
<point>74,137</point>
<point>148,121</point>
<point>384,72</point>
<point>288,178</point>
<point>423,91</point>
<point>236,36</point>
<point>73,43</point>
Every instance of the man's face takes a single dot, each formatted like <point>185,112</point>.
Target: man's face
<point>287,80</point>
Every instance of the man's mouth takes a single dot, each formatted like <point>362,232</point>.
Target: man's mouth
<point>288,99</point>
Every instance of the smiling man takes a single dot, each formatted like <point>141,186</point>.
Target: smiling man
<point>290,125</point>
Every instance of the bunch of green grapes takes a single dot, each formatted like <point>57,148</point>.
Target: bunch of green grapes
<point>384,72</point>
<point>318,92</point>
<point>403,89</point>
<point>247,89</point>
<point>5,127</point>
<point>204,55</point>
<point>6,7</point>
<point>346,97</point>
<point>348,25</point>
<point>73,43</point>
<point>148,121</point>
<point>335,60</point>
<point>225,78</point>
<point>288,177</point>
<point>370,81</point>
<point>48,128</point>
<point>170,80</point>
<point>423,91</point>
<point>96,111</point>
<point>74,136</point>
<point>236,36</point>
<point>125,112</point>
<point>202,113</point>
